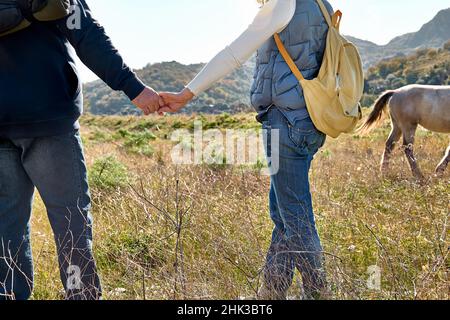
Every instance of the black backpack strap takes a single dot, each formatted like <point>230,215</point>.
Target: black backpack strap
<point>26,9</point>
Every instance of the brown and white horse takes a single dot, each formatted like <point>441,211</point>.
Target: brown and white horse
<point>411,106</point>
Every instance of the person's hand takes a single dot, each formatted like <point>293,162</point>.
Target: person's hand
<point>148,101</point>
<point>174,102</point>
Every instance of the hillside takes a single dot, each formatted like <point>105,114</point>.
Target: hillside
<point>425,66</point>
<point>371,53</point>
<point>229,95</point>
<point>432,35</point>
<point>232,94</point>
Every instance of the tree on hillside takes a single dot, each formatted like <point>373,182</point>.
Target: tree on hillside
<point>425,66</point>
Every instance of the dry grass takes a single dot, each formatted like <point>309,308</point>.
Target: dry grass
<point>165,231</point>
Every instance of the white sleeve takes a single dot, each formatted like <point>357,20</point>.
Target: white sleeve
<point>272,18</point>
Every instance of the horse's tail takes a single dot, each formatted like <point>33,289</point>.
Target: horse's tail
<point>375,117</point>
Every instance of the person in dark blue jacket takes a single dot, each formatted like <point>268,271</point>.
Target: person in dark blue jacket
<point>40,145</point>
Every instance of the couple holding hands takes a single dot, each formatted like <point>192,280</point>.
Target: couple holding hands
<point>40,143</point>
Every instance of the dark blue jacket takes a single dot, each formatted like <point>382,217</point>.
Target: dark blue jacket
<point>40,90</point>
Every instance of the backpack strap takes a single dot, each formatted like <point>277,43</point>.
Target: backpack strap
<point>325,12</point>
<point>25,8</point>
<point>287,58</point>
<point>336,19</point>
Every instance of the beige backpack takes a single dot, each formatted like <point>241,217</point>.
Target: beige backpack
<point>332,99</point>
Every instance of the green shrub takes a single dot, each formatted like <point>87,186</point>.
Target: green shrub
<point>368,100</point>
<point>411,76</point>
<point>397,83</point>
<point>108,173</point>
<point>384,70</point>
<point>100,136</point>
<point>137,142</point>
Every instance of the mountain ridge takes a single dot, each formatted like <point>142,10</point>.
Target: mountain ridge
<point>232,93</point>
<point>433,34</point>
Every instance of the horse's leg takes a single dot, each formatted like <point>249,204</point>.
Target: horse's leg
<point>395,135</point>
<point>408,144</point>
<point>440,170</point>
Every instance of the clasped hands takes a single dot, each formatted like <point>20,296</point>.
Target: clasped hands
<point>150,101</point>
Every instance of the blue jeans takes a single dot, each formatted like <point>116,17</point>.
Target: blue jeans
<point>56,167</point>
<point>295,241</point>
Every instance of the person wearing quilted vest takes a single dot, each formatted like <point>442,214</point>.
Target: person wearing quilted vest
<point>278,100</point>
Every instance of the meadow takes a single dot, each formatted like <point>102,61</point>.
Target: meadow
<point>165,231</point>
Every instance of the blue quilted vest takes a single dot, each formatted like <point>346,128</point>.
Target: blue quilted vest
<point>305,39</point>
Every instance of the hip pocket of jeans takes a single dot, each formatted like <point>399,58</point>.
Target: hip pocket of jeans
<point>305,136</point>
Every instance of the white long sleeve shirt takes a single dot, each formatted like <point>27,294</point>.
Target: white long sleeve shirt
<point>272,18</point>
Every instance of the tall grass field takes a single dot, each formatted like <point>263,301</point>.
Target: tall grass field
<point>166,231</point>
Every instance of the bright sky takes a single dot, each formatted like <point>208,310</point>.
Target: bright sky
<point>191,31</point>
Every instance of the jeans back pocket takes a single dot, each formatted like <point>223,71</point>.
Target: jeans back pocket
<point>306,137</point>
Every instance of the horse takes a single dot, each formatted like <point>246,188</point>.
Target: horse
<point>409,107</point>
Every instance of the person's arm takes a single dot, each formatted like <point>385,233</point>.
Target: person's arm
<point>96,51</point>
<point>272,18</point>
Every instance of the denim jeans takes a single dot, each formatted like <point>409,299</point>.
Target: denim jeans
<point>56,167</point>
<point>295,241</point>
